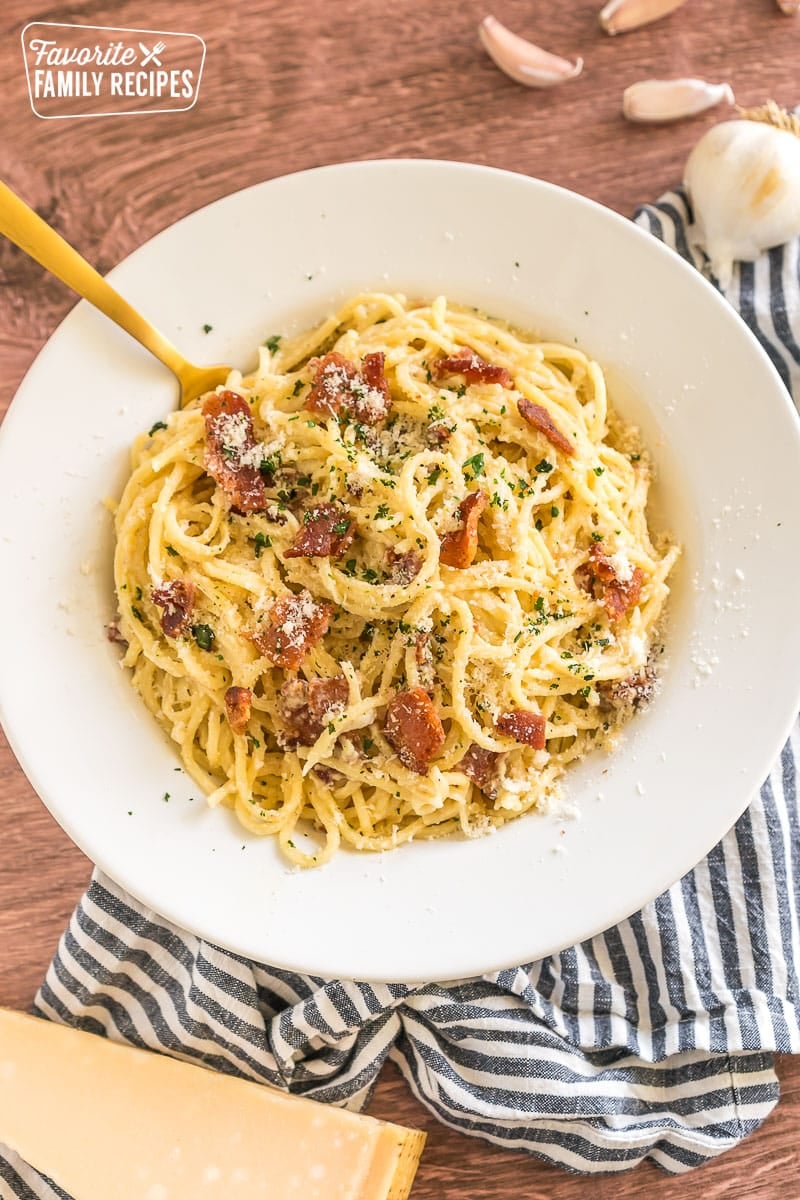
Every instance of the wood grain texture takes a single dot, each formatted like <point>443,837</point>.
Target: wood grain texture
<point>290,86</point>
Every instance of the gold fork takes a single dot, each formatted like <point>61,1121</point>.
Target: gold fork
<point>27,230</point>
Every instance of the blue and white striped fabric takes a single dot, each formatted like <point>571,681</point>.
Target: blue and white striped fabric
<point>653,1040</point>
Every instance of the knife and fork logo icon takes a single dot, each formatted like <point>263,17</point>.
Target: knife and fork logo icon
<point>151,56</point>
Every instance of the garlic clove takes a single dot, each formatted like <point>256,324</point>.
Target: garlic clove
<point>743,180</point>
<point>790,7</point>
<point>620,16</point>
<point>656,100</point>
<point>522,60</point>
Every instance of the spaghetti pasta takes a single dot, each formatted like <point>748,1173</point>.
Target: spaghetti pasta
<point>392,583</point>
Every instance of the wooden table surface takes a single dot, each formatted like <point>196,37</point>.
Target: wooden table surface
<point>297,84</point>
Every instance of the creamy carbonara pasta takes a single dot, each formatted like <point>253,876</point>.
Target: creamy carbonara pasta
<point>391,584</point>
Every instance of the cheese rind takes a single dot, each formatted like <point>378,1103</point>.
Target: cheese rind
<point>110,1122</point>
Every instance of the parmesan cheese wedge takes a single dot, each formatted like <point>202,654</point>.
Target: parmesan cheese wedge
<point>109,1122</point>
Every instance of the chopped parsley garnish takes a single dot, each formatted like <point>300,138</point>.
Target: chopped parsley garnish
<point>350,567</point>
<point>544,467</point>
<point>554,511</point>
<point>599,470</point>
<point>436,413</point>
<point>138,593</point>
<point>597,537</point>
<point>367,743</point>
<point>538,604</point>
<point>434,475</point>
<point>475,465</point>
<point>165,797</point>
<point>262,541</point>
<point>331,727</point>
<point>207,328</point>
<point>382,512</point>
<point>369,575</point>
<point>137,613</point>
<point>341,526</point>
<point>172,552</point>
<point>155,428</point>
<point>270,464</point>
<point>273,342</point>
<point>204,636</point>
<point>298,386</point>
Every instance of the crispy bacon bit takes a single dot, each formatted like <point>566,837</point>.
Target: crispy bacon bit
<point>481,767</point>
<point>459,547</point>
<point>339,386</point>
<point>617,594</point>
<point>238,703</point>
<point>367,409</point>
<point>538,416</point>
<point>326,532</point>
<point>305,707</point>
<point>472,367</point>
<point>403,567</point>
<point>177,601</point>
<point>524,726</point>
<point>327,775</point>
<point>233,456</point>
<point>295,625</point>
<point>114,634</point>
<point>634,692</point>
<point>414,728</point>
<point>438,434</point>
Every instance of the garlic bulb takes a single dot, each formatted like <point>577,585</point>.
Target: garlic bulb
<point>743,180</point>
<point>620,16</point>
<point>790,7</point>
<point>522,60</point>
<point>655,100</point>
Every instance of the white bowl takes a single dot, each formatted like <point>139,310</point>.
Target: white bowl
<point>273,259</point>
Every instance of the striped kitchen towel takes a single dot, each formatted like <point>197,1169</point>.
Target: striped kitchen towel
<point>653,1040</point>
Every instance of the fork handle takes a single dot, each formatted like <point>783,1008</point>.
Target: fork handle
<point>27,230</point>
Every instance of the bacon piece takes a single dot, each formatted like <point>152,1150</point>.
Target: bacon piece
<point>238,703</point>
<point>403,567</point>
<point>295,624</point>
<point>306,706</point>
<point>617,595</point>
<point>540,419</point>
<point>414,728</point>
<point>114,634</point>
<point>328,775</point>
<point>634,692</point>
<point>524,726</point>
<point>374,405</point>
<point>459,547</point>
<point>339,386</point>
<point>472,367</point>
<point>481,766</point>
<point>177,600</point>
<point>231,451</point>
<point>438,434</point>
<point>326,532</point>
<point>333,380</point>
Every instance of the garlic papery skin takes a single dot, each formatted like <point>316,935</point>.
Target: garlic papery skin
<point>743,180</point>
<point>522,60</point>
<point>655,100</point>
<point>790,7</point>
<point>620,16</point>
